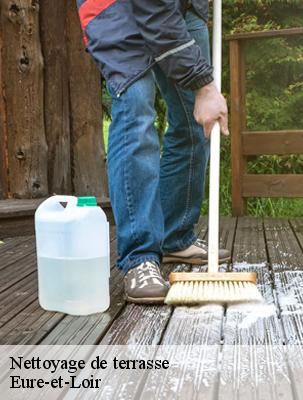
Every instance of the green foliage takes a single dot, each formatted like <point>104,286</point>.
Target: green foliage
<point>274,95</point>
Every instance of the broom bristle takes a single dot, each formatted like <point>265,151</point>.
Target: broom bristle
<point>199,292</point>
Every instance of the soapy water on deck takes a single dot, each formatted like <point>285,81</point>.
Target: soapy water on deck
<point>254,316</point>
<point>246,266</point>
<point>290,299</point>
<point>246,369</point>
<point>290,292</point>
<point>255,313</point>
<point>251,314</point>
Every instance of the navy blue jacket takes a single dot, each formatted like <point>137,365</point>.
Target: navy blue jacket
<point>127,37</point>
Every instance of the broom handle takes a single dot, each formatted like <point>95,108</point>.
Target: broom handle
<point>214,174</point>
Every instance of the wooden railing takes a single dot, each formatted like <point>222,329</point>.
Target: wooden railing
<point>245,144</point>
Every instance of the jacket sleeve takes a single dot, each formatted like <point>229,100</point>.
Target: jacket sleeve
<point>163,28</point>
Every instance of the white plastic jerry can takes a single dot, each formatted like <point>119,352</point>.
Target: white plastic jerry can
<point>73,255</point>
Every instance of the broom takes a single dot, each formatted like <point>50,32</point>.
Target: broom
<point>198,287</point>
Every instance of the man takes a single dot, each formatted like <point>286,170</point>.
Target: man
<point>156,201</point>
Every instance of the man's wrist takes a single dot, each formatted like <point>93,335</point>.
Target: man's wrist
<point>210,87</point>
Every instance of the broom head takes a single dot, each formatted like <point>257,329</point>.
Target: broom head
<point>191,288</point>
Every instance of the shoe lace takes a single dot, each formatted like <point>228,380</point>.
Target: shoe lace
<point>202,244</point>
<point>148,272</point>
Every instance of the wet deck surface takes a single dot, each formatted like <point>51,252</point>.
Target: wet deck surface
<point>272,247</point>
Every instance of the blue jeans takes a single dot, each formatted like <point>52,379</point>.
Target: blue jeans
<point>156,201</point>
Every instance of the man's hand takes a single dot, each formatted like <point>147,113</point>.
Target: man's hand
<point>211,107</point>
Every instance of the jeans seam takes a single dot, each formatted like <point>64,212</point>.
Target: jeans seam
<point>126,185</point>
<point>190,174</point>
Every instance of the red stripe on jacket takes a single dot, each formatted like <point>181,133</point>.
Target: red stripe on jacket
<point>90,10</point>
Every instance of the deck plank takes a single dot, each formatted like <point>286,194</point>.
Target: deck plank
<point>249,246</point>
<point>29,326</point>
<point>138,325</point>
<point>192,344</point>
<point>297,227</point>
<point>17,298</point>
<point>249,254</point>
<point>253,362</point>
<point>193,333</point>
<point>227,232</point>
<point>17,250</point>
<point>286,259</point>
<point>283,248</point>
<point>289,288</point>
<point>17,271</point>
<point>7,244</point>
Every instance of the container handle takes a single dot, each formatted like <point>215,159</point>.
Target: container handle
<point>53,203</point>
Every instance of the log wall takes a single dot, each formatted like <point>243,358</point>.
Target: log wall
<point>51,137</point>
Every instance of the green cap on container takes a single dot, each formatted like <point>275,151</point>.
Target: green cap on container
<point>90,201</point>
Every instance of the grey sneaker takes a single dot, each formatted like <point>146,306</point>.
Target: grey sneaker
<point>144,284</point>
<point>197,255</point>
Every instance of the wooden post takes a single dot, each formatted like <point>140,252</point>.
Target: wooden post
<point>3,130</point>
<point>88,155</point>
<point>56,94</point>
<point>23,77</point>
<point>237,93</point>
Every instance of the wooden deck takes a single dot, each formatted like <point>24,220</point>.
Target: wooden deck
<point>272,247</point>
